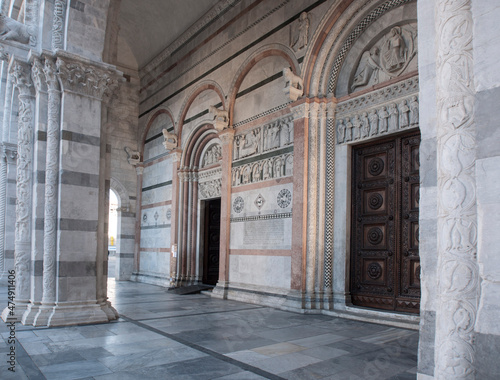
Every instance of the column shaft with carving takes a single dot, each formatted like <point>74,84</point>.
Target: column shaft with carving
<point>457,272</point>
<point>51,184</point>
<point>58,22</point>
<point>176,157</point>
<point>194,220</point>
<point>22,246</point>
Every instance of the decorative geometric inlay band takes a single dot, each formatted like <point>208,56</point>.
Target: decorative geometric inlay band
<point>284,198</point>
<point>376,166</point>
<point>375,236</point>
<point>262,217</point>
<point>374,271</point>
<point>265,113</point>
<point>375,201</point>
<point>238,204</point>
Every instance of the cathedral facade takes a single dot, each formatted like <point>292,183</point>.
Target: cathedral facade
<point>319,156</point>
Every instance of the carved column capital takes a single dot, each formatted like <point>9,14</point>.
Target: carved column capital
<point>139,169</point>
<point>300,111</point>
<point>20,75</point>
<point>50,71</point>
<point>227,136</point>
<point>87,79</point>
<point>10,153</point>
<point>38,75</point>
<point>176,155</point>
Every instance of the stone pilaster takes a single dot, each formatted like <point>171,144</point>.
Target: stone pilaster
<point>457,272</point>
<point>80,294</point>
<point>176,158</point>
<point>329,186</point>
<point>137,251</point>
<point>20,73</point>
<point>227,137</point>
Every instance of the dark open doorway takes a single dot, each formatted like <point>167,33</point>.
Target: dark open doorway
<point>211,242</point>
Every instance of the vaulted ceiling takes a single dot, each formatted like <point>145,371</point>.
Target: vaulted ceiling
<point>147,27</point>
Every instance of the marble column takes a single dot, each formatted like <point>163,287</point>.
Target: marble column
<point>457,270</point>
<point>20,73</point>
<point>227,137</point>
<point>176,157</point>
<point>8,157</point>
<point>38,202</point>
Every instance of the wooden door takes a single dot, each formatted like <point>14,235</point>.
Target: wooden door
<point>385,270</point>
<point>212,242</point>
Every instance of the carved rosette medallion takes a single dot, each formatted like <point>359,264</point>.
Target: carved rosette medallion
<point>238,204</point>
<point>376,166</point>
<point>375,236</point>
<point>284,198</point>
<point>375,201</point>
<point>457,270</point>
<point>374,271</point>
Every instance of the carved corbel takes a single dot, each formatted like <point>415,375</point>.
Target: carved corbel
<point>170,140</point>
<point>133,156</point>
<point>221,118</point>
<point>294,86</point>
<point>10,153</point>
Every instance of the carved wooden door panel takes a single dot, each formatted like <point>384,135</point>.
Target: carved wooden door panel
<point>212,242</point>
<point>384,249</point>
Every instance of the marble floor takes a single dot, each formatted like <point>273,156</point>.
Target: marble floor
<point>167,336</point>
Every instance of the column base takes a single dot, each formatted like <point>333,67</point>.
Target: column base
<point>110,311</point>
<point>67,314</point>
<point>17,314</point>
<point>31,314</point>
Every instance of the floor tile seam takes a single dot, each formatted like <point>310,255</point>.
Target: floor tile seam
<point>196,314</point>
<point>25,361</point>
<point>207,351</point>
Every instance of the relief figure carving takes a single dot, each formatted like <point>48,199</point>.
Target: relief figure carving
<point>404,120</point>
<point>414,110</point>
<point>341,131</point>
<point>373,117</point>
<point>365,125</point>
<point>393,117</point>
<point>383,116</point>
<point>13,30</point>
<point>302,35</point>
<point>368,68</point>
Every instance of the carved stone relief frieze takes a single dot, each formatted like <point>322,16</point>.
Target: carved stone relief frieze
<point>212,155</point>
<point>274,135</point>
<point>269,168</point>
<point>210,183</point>
<point>387,110</point>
